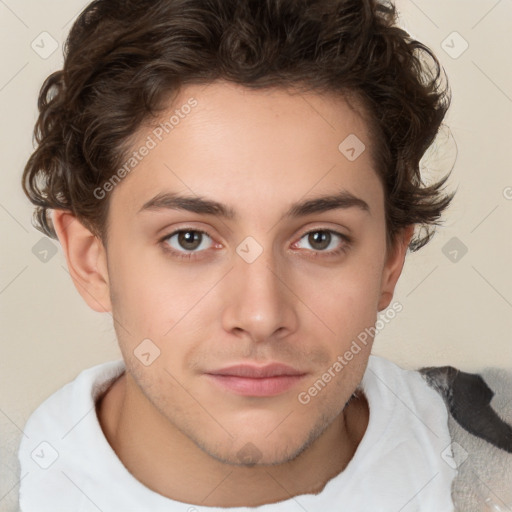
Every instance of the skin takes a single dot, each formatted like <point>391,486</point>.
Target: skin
<point>257,152</point>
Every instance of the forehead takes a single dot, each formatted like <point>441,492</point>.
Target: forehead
<point>252,149</point>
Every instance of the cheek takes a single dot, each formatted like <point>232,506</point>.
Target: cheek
<point>166,303</point>
<point>346,299</point>
<point>148,289</point>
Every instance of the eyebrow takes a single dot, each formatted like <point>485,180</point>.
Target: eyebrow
<point>201,205</point>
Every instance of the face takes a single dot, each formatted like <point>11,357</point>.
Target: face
<point>246,284</point>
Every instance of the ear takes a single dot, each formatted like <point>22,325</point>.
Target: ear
<point>393,266</point>
<point>86,258</point>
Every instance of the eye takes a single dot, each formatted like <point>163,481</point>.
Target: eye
<point>185,241</point>
<point>325,241</point>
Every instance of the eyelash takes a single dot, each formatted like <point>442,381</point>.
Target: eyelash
<point>192,255</point>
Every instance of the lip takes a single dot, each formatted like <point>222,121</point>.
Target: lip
<point>258,381</point>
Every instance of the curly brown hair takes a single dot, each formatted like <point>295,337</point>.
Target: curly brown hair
<point>124,59</point>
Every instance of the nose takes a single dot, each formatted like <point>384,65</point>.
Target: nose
<point>261,304</point>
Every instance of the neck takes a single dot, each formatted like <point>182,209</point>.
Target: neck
<point>169,463</point>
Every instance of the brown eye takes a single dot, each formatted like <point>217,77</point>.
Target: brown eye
<point>188,240</point>
<point>319,240</point>
<point>324,241</point>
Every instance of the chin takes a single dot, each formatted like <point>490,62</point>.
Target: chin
<point>260,451</point>
<point>250,455</point>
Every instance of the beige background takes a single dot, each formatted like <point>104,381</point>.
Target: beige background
<point>454,312</point>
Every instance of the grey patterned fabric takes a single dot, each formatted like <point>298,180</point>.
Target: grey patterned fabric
<point>480,423</point>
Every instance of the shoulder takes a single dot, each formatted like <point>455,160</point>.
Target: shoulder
<point>70,400</point>
<point>59,430</point>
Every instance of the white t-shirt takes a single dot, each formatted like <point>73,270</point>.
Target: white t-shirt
<point>402,463</point>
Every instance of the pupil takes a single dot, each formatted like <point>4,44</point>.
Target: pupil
<point>320,237</point>
<point>189,239</point>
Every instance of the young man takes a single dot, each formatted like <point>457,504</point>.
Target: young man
<point>237,183</point>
